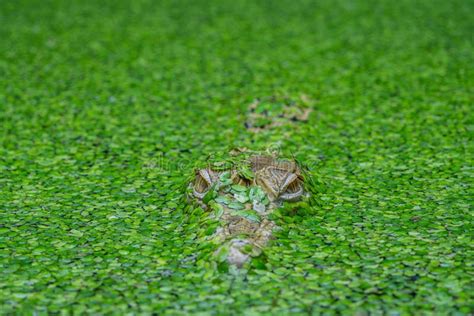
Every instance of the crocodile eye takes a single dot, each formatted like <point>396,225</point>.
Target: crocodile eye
<point>202,183</point>
<point>293,189</point>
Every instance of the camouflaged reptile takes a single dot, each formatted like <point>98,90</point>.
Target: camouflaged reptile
<point>241,195</point>
<point>265,114</point>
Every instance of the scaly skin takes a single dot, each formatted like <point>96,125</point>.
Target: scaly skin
<point>267,113</point>
<point>242,197</point>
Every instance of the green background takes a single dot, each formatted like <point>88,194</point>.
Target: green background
<point>104,106</point>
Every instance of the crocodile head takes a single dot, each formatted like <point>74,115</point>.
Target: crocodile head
<point>241,195</point>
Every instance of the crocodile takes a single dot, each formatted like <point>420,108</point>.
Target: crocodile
<point>241,194</point>
<point>267,113</point>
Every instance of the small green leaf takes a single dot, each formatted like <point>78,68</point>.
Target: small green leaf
<point>241,197</point>
<point>210,195</point>
<point>218,209</point>
<point>222,253</point>
<point>248,214</point>
<point>257,194</point>
<point>236,206</point>
<point>238,188</point>
<point>222,199</point>
<point>245,172</point>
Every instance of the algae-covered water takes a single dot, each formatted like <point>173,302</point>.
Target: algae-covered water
<point>105,106</point>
